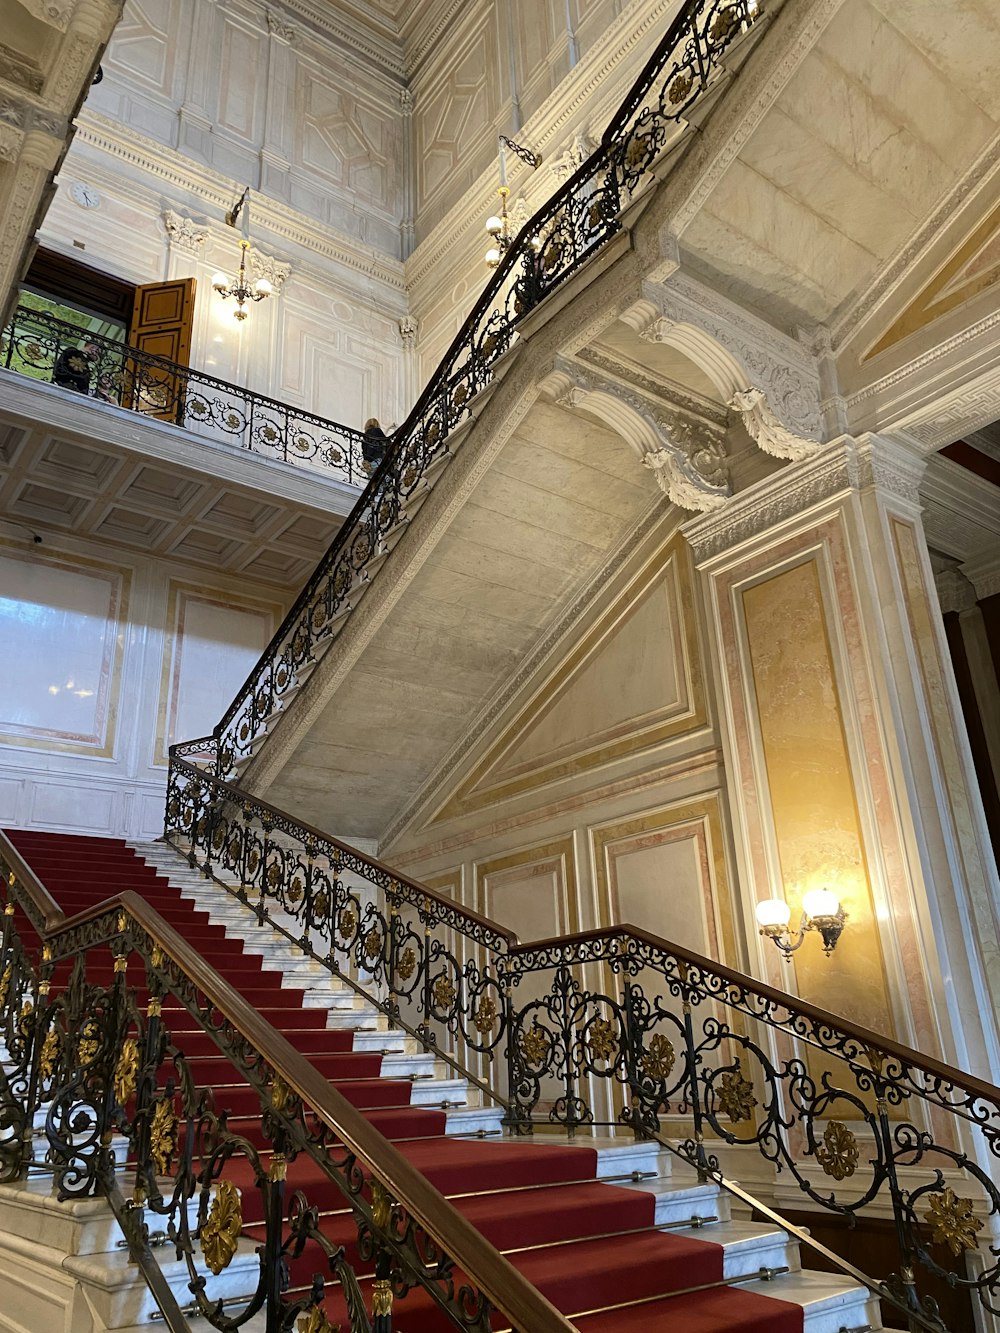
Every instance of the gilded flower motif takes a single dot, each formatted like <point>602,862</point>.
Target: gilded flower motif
<point>233,421</point>
<point>953,1221</point>
<point>348,921</point>
<point>295,890</point>
<point>723,25</point>
<point>162,1135</point>
<point>460,394</point>
<point>407,964</point>
<point>485,1016</point>
<point>49,1056</point>
<point>197,408</point>
<point>534,1045</point>
<point>315,1321</point>
<point>8,972</point>
<point>444,992</point>
<point>838,1154</point>
<point>87,1049</point>
<point>736,1097</point>
<point>321,903</point>
<point>658,1060</point>
<point>221,1229</point>
<point>373,943</point>
<point>680,89</point>
<point>601,1039</point>
<point>635,154</point>
<point>126,1071</point>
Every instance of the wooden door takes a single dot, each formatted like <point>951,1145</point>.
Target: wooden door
<point>162,324</point>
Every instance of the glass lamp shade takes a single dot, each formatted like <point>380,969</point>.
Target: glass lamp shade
<point>262,287</point>
<point>220,282</point>
<point>494,226</point>
<point>493,256</point>
<point>820,902</point>
<point>773,913</point>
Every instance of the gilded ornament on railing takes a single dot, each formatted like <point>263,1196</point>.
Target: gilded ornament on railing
<point>373,944</point>
<point>460,394</point>
<point>321,903</point>
<point>8,972</point>
<point>724,24</point>
<point>49,1056</point>
<point>381,1298</point>
<point>162,1136</point>
<point>486,1015</point>
<point>838,1154</point>
<point>280,1093</point>
<point>953,1221</point>
<point>348,921</point>
<point>736,1097</point>
<point>679,91</point>
<point>221,1230</point>
<point>315,1321</point>
<point>534,1045</point>
<point>126,1071</point>
<point>444,993</point>
<point>273,875</point>
<point>87,1049</point>
<point>635,154</point>
<point>382,1205</point>
<point>659,1059</point>
<point>295,890</point>
<point>602,1040</point>
<point>24,1022</point>
<point>407,964</point>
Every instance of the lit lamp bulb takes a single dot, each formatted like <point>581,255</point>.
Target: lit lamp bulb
<point>220,282</point>
<point>494,226</point>
<point>773,915</point>
<point>820,904</point>
<point>493,256</point>
<point>262,287</point>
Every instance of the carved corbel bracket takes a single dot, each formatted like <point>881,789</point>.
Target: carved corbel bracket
<point>266,266</point>
<point>184,232</point>
<point>764,428</point>
<point>682,483</point>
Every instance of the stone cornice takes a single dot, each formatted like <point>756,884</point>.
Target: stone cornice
<point>788,496</point>
<point>369,43</point>
<point>184,177</point>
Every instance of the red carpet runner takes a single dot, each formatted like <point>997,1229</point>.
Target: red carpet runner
<point>521,1195</point>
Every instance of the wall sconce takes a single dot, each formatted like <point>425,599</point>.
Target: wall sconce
<point>821,910</point>
<point>498,227</point>
<point>241,288</point>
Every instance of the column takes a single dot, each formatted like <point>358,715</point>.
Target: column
<point>847,759</point>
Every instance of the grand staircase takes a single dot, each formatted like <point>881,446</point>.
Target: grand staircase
<point>603,1227</point>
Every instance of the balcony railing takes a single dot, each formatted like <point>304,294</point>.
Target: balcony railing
<point>45,348</point>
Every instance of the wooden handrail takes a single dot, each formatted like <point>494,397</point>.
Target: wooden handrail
<point>520,1302</point>
<point>927,1064</point>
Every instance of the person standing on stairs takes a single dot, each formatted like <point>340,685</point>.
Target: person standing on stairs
<point>374,444</point>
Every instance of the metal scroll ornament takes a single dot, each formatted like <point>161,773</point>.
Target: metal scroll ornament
<point>407,965</point>
<point>736,1097</point>
<point>953,1221</point>
<point>838,1154</point>
<point>485,1016</point>
<point>221,1230</point>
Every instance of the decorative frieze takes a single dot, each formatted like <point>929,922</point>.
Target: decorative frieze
<point>184,232</point>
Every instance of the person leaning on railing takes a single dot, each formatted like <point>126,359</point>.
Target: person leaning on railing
<point>73,365</point>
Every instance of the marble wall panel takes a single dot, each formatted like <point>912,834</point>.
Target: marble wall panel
<point>60,673</point>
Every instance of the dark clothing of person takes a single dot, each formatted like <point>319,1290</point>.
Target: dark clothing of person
<point>374,445</point>
<point>72,370</point>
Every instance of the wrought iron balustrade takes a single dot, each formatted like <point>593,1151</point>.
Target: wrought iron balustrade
<point>618,1028</point>
<point>43,347</point>
<point>95,1012</point>
<point>573,225</point>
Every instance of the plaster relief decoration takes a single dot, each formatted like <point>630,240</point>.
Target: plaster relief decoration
<point>184,232</point>
<point>19,71</point>
<point>573,157</point>
<point>266,266</point>
<point>53,14</point>
<point>678,441</point>
<point>734,349</point>
<point>279,27</point>
<point>408,328</point>
<point>766,430</point>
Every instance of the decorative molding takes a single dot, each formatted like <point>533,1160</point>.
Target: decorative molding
<point>783,369</point>
<point>408,329</point>
<point>656,386</point>
<point>153,160</point>
<point>406,101</point>
<point>841,466</point>
<point>955,592</point>
<point>266,266</point>
<point>184,232</point>
<point>17,70</point>
<point>685,450</point>
<point>279,27</point>
<point>764,428</point>
<point>50,13</point>
<point>572,158</point>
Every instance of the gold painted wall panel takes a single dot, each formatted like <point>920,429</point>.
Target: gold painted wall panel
<point>813,801</point>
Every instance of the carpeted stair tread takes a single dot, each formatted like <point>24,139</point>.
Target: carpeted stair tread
<point>722,1310</point>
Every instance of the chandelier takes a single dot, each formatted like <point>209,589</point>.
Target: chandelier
<point>498,226</point>
<point>241,288</point>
